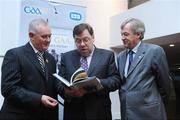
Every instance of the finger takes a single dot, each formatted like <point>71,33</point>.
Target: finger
<point>51,103</point>
<point>52,100</point>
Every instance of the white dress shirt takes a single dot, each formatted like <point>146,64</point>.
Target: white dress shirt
<point>127,60</point>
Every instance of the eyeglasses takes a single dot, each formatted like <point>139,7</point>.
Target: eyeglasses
<point>84,40</point>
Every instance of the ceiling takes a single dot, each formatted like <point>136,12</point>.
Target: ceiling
<point>172,53</point>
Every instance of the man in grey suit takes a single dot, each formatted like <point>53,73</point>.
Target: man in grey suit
<point>145,76</point>
<point>29,89</point>
<point>96,105</point>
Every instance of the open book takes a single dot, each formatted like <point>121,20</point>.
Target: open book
<point>80,79</point>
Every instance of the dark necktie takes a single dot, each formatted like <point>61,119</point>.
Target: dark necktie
<point>84,63</point>
<point>130,58</point>
<point>41,60</point>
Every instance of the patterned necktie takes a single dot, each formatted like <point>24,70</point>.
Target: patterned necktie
<point>130,58</point>
<point>84,63</point>
<point>41,60</point>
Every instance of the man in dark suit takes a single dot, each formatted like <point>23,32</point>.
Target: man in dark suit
<point>27,84</point>
<point>145,76</point>
<point>80,105</point>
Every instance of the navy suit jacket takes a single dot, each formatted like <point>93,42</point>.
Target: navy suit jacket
<point>96,105</point>
<point>23,83</point>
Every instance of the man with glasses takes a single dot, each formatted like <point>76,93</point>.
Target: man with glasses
<point>29,89</point>
<point>78,104</point>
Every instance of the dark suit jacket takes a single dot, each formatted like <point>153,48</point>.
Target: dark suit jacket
<point>146,86</point>
<point>96,105</point>
<point>23,84</point>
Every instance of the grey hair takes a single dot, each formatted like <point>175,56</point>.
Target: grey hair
<point>137,26</point>
<point>34,24</point>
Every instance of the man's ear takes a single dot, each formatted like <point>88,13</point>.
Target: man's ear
<point>31,34</point>
<point>139,35</point>
<point>93,37</point>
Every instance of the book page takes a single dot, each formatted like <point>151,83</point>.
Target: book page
<point>90,84</point>
<point>62,79</point>
<point>76,74</point>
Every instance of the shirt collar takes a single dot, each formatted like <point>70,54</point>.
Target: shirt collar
<point>35,50</point>
<point>136,47</point>
<point>92,52</point>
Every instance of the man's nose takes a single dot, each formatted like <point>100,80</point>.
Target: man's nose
<point>82,43</point>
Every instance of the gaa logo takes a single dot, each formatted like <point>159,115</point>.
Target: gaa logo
<point>75,16</point>
<point>32,10</point>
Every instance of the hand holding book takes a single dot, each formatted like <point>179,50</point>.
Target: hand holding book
<point>80,79</point>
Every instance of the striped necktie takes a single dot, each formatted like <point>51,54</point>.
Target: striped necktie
<point>41,60</point>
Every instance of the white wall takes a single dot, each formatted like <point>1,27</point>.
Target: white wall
<point>98,15</point>
<point>161,17</point>
<point>0,22</point>
<point>1,98</point>
<point>9,17</point>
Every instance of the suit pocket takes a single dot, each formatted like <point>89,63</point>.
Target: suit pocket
<point>134,99</point>
<point>150,97</point>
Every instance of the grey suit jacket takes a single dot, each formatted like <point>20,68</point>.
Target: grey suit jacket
<point>146,86</point>
<point>96,105</point>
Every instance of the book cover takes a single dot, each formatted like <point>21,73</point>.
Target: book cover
<point>80,79</point>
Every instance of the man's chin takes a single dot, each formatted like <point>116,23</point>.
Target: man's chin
<point>84,54</point>
<point>45,49</point>
<point>126,46</point>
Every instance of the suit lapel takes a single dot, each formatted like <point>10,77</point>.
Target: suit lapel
<point>29,52</point>
<point>96,58</point>
<point>46,61</point>
<point>123,63</point>
<point>76,60</point>
<point>138,57</point>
